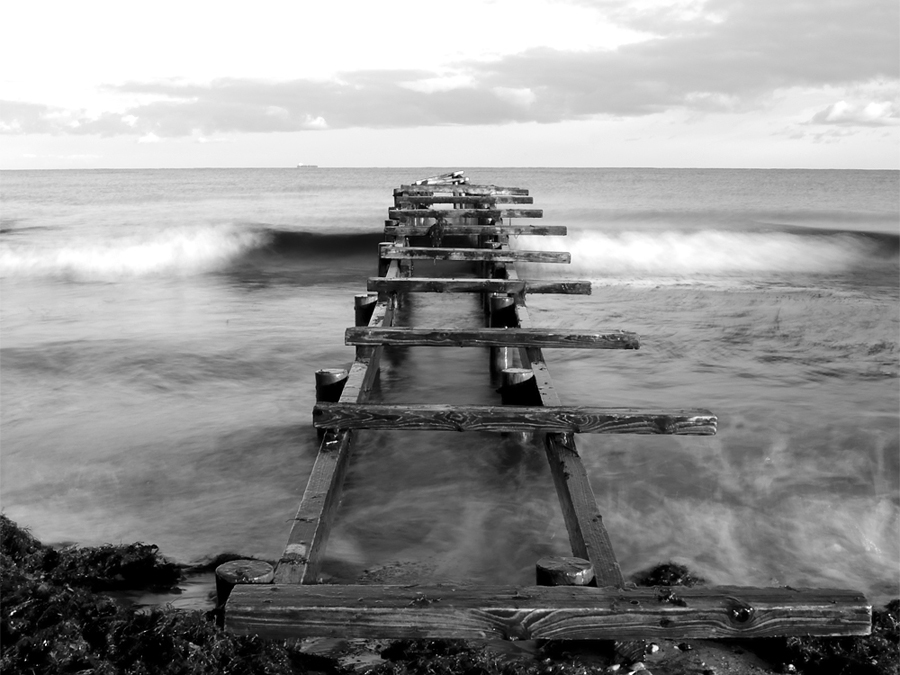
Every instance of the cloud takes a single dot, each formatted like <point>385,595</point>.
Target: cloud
<point>873,114</point>
<point>700,56</point>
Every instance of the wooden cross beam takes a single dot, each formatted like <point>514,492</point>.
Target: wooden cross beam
<point>391,252</point>
<point>537,612</point>
<point>491,337</point>
<point>571,419</point>
<point>445,285</point>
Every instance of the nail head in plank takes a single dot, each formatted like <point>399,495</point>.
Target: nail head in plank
<point>537,612</point>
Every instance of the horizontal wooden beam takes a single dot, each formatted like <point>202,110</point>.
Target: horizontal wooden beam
<point>535,612</point>
<point>406,214</point>
<point>444,285</point>
<point>491,337</point>
<point>425,200</point>
<point>389,252</point>
<point>461,189</point>
<point>411,230</point>
<point>571,419</point>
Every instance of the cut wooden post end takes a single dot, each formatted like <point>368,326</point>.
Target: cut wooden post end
<point>364,305</point>
<point>329,387</point>
<point>564,571</point>
<point>330,384</point>
<point>229,574</point>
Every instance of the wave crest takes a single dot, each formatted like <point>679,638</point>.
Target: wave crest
<point>180,251</point>
<point>715,252</point>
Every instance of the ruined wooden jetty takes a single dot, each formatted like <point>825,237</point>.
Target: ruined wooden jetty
<point>578,597</point>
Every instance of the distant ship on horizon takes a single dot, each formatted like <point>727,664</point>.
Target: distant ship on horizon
<point>307,166</point>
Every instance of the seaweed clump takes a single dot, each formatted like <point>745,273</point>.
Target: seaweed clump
<point>451,657</point>
<point>52,620</point>
<point>875,654</point>
<point>668,574</point>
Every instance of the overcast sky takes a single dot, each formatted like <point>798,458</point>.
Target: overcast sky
<point>719,83</point>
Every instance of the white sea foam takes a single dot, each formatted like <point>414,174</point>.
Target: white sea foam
<point>180,251</point>
<point>714,252</point>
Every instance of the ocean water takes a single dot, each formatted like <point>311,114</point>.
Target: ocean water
<point>160,331</point>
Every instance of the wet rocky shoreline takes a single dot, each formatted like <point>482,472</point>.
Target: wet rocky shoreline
<point>65,610</point>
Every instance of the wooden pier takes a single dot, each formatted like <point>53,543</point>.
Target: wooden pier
<point>579,597</point>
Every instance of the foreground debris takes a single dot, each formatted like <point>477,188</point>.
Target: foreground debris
<point>56,618</point>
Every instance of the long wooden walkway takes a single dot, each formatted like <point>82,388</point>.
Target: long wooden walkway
<point>289,603</point>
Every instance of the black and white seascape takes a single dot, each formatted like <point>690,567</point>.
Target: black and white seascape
<point>161,329</point>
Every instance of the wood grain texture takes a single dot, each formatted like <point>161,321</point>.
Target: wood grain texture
<point>445,285</point>
<point>573,419</point>
<point>417,230</point>
<point>535,612</point>
<point>492,337</point>
<point>389,252</point>
<point>443,214</point>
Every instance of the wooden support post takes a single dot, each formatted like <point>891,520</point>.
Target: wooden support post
<point>239,572</point>
<point>330,383</point>
<point>519,388</point>
<point>329,386</point>
<point>364,305</point>
<point>564,571</point>
<point>502,314</point>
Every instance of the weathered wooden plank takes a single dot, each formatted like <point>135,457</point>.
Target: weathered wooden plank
<point>453,177</point>
<point>584,522</point>
<point>463,189</point>
<point>588,536</point>
<point>570,419</point>
<point>389,252</point>
<point>301,560</point>
<point>392,229</point>
<point>536,612</point>
<point>445,285</point>
<point>406,214</point>
<point>406,201</point>
<point>491,337</point>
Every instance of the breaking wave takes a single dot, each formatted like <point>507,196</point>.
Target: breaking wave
<point>180,251</point>
<point>188,251</point>
<point>678,252</point>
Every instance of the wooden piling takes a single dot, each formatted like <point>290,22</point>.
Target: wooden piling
<point>564,571</point>
<point>363,306</point>
<point>229,574</point>
<point>519,387</point>
<point>329,386</point>
<point>501,314</point>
